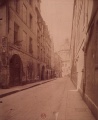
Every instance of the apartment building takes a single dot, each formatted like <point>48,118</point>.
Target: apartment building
<point>84,51</point>
<point>43,48</point>
<point>57,65</point>
<point>22,43</point>
<point>52,60</point>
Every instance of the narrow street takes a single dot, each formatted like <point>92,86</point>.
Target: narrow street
<point>48,59</point>
<point>55,100</point>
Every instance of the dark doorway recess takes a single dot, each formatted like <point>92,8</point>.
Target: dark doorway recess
<point>47,75</point>
<point>43,73</point>
<point>16,70</point>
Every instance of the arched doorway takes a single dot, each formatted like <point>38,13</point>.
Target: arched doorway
<point>16,70</point>
<point>43,73</point>
<point>47,75</point>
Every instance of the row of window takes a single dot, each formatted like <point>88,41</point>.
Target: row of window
<point>17,4</point>
<point>18,42</point>
<point>17,8</point>
<point>42,56</point>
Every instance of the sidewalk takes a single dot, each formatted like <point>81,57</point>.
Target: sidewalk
<point>15,89</point>
<point>73,107</point>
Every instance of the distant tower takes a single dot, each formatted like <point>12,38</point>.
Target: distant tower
<point>64,53</point>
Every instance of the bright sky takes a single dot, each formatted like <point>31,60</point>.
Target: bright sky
<point>58,17</point>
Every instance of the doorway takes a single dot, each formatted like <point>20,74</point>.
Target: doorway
<point>43,73</point>
<point>16,69</point>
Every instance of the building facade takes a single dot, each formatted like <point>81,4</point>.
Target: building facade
<point>84,51</point>
<point>66,68</point>
<point>57,65</point>
<point>64,53</point>
<point>52,60</point>
<point>23,43</point>
<point>48,46</point>
<point>43,48</point>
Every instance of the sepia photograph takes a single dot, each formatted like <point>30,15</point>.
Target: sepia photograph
<point>48,59</point>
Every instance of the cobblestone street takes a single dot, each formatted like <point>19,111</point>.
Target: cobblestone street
<point>55,100</point>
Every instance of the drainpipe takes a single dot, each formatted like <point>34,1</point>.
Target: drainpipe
<point>7,31</point>
<point>84,79</point>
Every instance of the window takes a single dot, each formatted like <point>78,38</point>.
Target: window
<point>30,22</point>
<point>30,46</point>
<point>38,50</point>
<point>30,2</point>
<point>24,40</point>
<point>24,13</point>
<point>41,54</point>
<point>30,70</point>
<point>16,33</point>
<point>38,36</point>
<point>38,69</point>
<point>44,56</point>
<point>17,5</point>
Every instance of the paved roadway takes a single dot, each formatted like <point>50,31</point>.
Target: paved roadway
<point>55,100</point>
<point>38,103</point>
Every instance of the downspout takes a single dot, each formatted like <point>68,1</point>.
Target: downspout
<point>7,32</point>
<point>71,54</point>
<point>84,80</point>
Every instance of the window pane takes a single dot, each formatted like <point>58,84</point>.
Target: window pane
<point>24,14</point>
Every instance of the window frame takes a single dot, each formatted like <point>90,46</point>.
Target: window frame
<point>24,15</point>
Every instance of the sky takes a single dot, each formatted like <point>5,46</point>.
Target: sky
<point>58,16</point>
